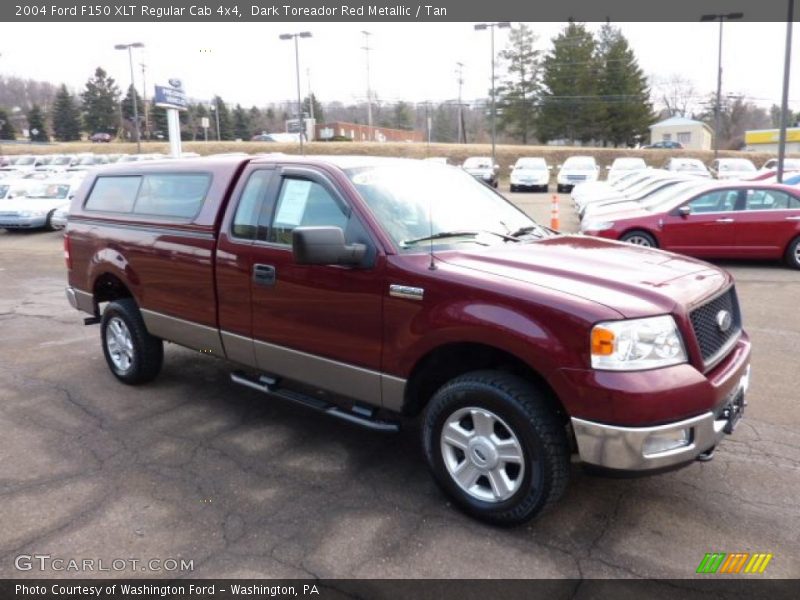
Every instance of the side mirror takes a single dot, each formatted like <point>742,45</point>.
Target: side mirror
<point>685,210</point>
<point>324,246</point>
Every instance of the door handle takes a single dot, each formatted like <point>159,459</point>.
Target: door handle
<point>724,220</point>
<point>793,218</point>
<point>264,274</point>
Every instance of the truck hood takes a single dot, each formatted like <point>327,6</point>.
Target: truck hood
<point>631,280</point>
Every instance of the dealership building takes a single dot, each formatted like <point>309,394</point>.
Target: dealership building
<point>365,133</point>
<point>766,140</point>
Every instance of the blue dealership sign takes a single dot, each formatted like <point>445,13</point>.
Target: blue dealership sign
<point>170,97</point>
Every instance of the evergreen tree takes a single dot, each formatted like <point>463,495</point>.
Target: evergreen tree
<point>66,117</point>
<point>443,125</point>
<point>224,116</point>
<point>518,93</point>
<point>241,123</point>
<point>310,101</point>
<point>7,131</point>
<point>37,132</point>
<point>128,114</point>
<point>627,113</point>
<point>569,105</point>
<point>100,102</point>
<point>403,119</point>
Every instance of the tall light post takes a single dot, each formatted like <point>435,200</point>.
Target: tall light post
<point>295,36</point>
<point>129,48</point>
<point>785,96</point>
<point>366,48</point>
<point>491,27</point>
<point>144,101</point>
<point>717,108</point>
<point>460,73</point>
<point>215,109</point>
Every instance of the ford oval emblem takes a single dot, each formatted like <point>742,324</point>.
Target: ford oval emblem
<point>724,320</point>
<point>176,83</point>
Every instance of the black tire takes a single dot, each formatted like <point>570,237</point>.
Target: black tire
<point>147,351</point>
<point>792,256</point>
<point>639,238</point>
<point>538,431</point>
<point>513,188</point>
<point>48,224</point>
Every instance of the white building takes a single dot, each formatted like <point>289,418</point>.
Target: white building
<point>691,134</point>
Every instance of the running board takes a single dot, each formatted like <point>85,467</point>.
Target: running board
<point>359,415</point>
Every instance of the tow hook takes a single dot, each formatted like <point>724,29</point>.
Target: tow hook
<point>707,455</point>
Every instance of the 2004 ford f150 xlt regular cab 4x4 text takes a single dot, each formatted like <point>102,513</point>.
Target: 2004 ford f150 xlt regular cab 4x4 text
<point>372,288</point>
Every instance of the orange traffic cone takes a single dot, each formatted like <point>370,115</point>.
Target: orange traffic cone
<point>554,221</point>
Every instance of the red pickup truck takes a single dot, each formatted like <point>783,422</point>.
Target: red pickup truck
<point>374,289</point>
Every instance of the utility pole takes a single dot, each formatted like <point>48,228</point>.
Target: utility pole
<point>460,72</point>
<point>366,49</point>
<point>144,101</point>
<point>295,36</point>
<point>491,27</point>
<point>785,97</point>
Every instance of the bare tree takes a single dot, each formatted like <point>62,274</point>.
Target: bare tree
<point>674,95</point>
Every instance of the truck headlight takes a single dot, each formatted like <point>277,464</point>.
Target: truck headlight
<point>597,226</point>
<point>637,344</point>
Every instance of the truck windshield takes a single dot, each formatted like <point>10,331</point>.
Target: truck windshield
<point>414,202</point>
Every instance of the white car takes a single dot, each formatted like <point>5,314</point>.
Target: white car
<point>35,208</point>
<point>588,193</point>
<point>59,218</point>
<point>575,170</point>
<point>789,164</point>
<point>636,193</point>
<point>532,173</point>
<point>624,166</point>
<point>732,168</point>
<point>687,166</point>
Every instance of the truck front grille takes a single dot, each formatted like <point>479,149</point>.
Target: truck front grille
<point>714,340</point>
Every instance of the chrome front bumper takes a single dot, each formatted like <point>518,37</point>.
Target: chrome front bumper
<point>626,448</point>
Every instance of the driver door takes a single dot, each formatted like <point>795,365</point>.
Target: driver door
<point>709,229</point>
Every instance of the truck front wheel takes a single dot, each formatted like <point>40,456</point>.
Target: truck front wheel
<point>133,355</point>
<point>495,447</point>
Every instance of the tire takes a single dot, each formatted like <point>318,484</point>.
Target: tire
<point>792,256</point>
<point>133,355</point>
<point>48,224</point>
<point>513,188</point>
<point>522,422</point>
<point>639,238</point>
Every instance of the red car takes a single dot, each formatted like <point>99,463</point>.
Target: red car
<point>724,221</point>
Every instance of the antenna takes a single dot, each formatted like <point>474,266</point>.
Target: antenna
<point>432,265</point>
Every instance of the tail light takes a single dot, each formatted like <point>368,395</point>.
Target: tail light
<point>67,252</point>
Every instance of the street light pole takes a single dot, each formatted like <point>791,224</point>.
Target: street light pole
<point>491,27</point>
<point>295,36</point>
<point>144,101</point>
<point>366,49</point>
<point>785,97</point>
<point>717,107</point>
<point>129,48</point>
<point>460,72</point>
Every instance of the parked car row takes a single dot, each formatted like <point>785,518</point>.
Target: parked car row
<point>700,217</point>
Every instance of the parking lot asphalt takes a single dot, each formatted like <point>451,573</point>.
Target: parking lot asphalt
<point>194,467</point>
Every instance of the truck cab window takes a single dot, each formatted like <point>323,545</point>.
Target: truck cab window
<point>304,203</point>
<point>245,221</point>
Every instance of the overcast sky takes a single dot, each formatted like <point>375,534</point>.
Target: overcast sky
<point>247,63</point>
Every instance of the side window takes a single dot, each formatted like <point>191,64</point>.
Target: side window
<point>246,219</point>
<point>113,194</point>
<point>721,201</point>
<point>767,200</point>
<point>304,203</point>
<point>794,202</point>
<point>172,195</point>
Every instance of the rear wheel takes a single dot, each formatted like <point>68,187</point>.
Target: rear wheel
<point>133,355</point>
<point>640,238</point>
<point>49,222</point>
<point>793,253</point>
<point>513,188</point>
<point>495,447</point>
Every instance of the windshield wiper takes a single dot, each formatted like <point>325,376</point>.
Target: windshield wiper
<point>538,229</point>
<point>458,233</point>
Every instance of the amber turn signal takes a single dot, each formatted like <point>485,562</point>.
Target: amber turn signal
<point>602,342</point>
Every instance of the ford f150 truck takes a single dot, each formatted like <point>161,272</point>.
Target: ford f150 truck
<point>376,289</point>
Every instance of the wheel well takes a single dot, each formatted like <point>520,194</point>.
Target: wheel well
<point>639,230</point>
<point>108,287</point>
<point>449,361</point>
